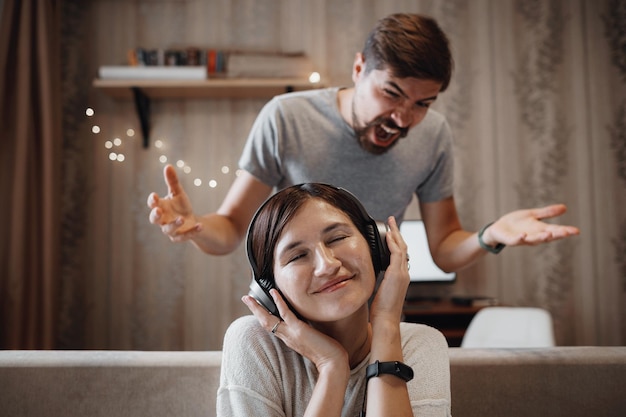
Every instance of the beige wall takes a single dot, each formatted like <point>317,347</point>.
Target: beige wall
<point>534,97</point>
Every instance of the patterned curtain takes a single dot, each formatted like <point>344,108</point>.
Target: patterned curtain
<point>30,173</point>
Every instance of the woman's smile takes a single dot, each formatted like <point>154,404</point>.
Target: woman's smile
<point>334,285</point>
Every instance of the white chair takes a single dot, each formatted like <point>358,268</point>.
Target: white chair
<point>509,327</point>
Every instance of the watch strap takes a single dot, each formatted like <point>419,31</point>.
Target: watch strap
<point>395,368</point>
<point>493,249</point>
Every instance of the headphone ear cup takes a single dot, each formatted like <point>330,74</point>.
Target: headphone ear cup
<point>377,240</point>
<point>260,286</point>
<point>263,298</point>
<point>383,249</point>
<point>374,244</point>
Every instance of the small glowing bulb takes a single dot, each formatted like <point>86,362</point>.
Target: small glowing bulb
<point>186,169</point>
<point>108,144</point>
<point>163,159</point>
<point>120,157</point>
<point>225,170</point>
<point>95,129</point>
<point>238,172</point>
<point>212,183</point>
<point>158,144</point>
<point>180,163</point>
<point>314,78</point>
<point>117,141</point>
<point>89,112</point>
<point>112,156</point>
<point>197,182</point>
<point>130,132</point>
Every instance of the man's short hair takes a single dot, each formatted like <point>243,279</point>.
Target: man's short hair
<point>409,45</point>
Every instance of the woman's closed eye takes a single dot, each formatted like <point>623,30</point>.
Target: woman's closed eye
<point>298,255</point>
<point>295,257</point>
<point>336,239</point>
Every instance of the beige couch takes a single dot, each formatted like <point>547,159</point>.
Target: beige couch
<point>564,381</point>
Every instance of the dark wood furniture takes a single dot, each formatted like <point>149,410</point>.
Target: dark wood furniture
<point>449,318</point>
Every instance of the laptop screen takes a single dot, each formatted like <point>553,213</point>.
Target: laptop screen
<point>422,268</point>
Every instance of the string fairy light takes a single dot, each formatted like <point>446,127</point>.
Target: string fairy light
<point>116,144</point>
<point>315,77</point>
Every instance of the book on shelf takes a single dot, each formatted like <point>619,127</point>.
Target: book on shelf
<point>213,59</point>
<point>113,72</point>
<point>194,63</point>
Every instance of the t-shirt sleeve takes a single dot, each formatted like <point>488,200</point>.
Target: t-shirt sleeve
<point>261,153</point>
<point>425,349</point>
<point>439,184</point>
<point>248,384</point>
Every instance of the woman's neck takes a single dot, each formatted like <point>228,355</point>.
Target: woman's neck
<point>354,334</point>
<point>361,349</point>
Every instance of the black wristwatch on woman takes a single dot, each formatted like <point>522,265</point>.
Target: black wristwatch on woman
<point>395,368</point>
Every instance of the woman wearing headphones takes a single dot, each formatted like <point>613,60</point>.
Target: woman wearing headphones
<point>315,255</point>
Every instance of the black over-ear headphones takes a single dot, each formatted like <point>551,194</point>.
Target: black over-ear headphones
<point>375,234</point>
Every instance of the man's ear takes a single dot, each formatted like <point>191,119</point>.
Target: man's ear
<point>358,67</point>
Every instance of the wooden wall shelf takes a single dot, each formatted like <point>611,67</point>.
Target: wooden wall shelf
<point>143,91</point>
<point>204,89</point>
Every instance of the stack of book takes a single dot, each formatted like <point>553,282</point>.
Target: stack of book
<point>121,72</point>
<point>163,64</point>
<point>200,63</point>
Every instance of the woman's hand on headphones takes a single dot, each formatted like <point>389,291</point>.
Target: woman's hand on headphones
<point>389,299</point>
<point>299,336</point>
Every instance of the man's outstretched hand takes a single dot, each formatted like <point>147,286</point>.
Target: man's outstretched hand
<point>525,227</point>
<point>173,212</point>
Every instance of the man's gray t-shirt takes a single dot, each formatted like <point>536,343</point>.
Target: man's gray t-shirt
<point>301,137</point>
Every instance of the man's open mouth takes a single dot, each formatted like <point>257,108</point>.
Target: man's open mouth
<point>385,133</point>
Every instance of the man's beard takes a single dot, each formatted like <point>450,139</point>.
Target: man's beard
<point>361,133</point>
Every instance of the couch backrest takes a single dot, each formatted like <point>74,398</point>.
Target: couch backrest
<point>565,381</point>
<point>551,382</point>
<point>108,383</point>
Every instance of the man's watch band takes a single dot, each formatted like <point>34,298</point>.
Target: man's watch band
<point>395,368</point>
<point>493,249</point>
